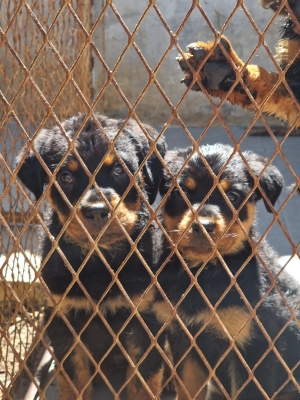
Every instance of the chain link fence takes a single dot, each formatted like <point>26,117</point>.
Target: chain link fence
<point>57,61</point>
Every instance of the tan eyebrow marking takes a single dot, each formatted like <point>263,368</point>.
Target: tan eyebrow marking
<point>225,184</point>
<point>73,165</point>
<point>109,159</point>
<point>190,183</point>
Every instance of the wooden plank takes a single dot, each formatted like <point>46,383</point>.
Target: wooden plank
<point>18,281</point>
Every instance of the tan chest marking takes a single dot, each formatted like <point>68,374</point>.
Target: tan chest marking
<point>162,310</point>
<point>235,319</point>
<point>112,305</point>
<point>141,302</point>
<point>70,303</point>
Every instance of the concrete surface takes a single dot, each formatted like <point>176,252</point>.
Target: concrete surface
<point>156,27</point>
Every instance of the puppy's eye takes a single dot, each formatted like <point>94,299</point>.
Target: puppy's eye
<point>184,189</point>
<point>233,196</point>
<point>65,177</point>
<point>118,170</point>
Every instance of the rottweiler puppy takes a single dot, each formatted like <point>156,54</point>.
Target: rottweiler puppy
<point>237,330</point>
<point>218,76</point>
<point>97,255</point>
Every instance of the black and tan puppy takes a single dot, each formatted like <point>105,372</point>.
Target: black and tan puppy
<point>239,333</point>
<point>89,263</point>
<point>218,76</point>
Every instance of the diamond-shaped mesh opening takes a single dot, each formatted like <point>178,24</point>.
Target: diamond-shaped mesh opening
<point>131,57</point>
<point>139,320</point>
<point>26,23</point>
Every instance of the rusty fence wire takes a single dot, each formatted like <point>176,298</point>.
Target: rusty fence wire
<point>55,63</point>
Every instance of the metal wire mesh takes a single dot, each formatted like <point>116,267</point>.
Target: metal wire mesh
<point>48,73</point>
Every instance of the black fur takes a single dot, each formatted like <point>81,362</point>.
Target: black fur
<point>86,283</point>
<point>235,281</point>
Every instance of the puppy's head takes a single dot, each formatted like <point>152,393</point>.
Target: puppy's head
<point>96,192</point>
<point>194,221</point>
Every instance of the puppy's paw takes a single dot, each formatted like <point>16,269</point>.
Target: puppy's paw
<point>217,72</point>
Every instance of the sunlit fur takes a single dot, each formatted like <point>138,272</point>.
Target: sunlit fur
<point>226,279</point>
<point>217,75</point>
<point>228,241</point>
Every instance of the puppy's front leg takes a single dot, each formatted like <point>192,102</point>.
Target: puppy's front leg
<point>80,376</point>
<point>193,377</point>
<point>151,369</point>
<point>74,365</point>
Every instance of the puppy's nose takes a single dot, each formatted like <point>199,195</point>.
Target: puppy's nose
<point>209,226</point>
<point>96,212</point>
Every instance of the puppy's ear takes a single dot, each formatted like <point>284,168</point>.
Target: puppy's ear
<point>153,170</point>
<point>163,187</point>
<point>31,173</point>
<point>271,181</point>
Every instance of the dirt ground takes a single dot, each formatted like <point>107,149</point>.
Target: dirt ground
<point>16,339</point>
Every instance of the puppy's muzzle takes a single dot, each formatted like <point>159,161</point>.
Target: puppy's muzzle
<point>94,210</point>
<point>207,225</point>
<point>206,222</point>
<point>96,214</point>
